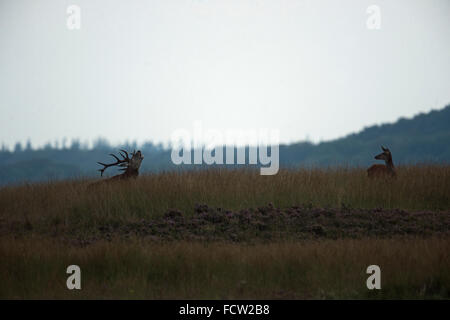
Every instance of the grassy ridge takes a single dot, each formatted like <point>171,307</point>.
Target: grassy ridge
<point>62,203</point>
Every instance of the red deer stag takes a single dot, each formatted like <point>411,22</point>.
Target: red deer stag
<point>382,170</point>
<point>129,165</point>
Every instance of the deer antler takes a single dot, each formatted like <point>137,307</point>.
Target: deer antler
<point>119,162</point>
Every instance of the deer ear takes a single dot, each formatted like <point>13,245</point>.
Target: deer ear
<point>383,148</point>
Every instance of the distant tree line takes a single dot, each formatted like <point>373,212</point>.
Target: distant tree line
<point>423,139</point>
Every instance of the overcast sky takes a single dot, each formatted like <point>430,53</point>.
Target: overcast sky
<point>139,70</point>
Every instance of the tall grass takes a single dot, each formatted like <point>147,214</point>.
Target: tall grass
<point>410,268</point>
<point>415,188</point>
<point>37,223</point>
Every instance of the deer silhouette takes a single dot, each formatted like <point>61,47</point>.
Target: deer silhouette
<point>382,170</point>
<point>130,166</point>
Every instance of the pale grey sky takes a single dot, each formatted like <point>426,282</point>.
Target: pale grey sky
<point>139,70</point>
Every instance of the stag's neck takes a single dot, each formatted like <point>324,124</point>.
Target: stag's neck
<point>131,172</point>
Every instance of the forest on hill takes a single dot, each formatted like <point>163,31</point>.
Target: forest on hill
<point>422,139</point>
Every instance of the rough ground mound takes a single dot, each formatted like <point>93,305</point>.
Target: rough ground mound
<point>270,223</point>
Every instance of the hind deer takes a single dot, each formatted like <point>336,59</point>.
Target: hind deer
<point>130,166</point>
<point>382,170</point>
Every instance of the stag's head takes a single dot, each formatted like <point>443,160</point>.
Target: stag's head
<point>129,165</point>
<point>385,155</point>
<point>136,160</point>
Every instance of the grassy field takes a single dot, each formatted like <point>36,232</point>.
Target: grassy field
<point>216,234</point>
<point>325,269</point>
